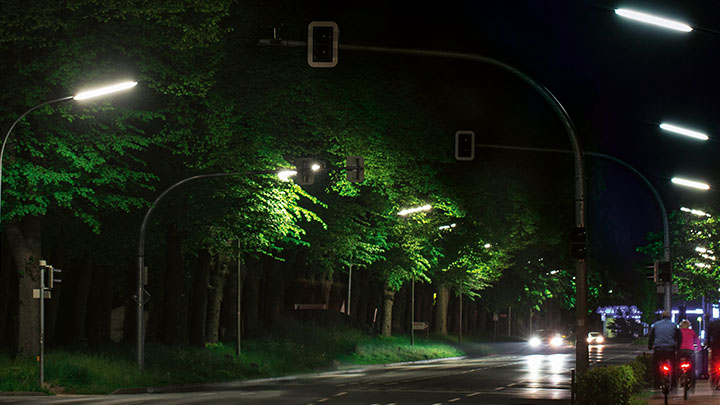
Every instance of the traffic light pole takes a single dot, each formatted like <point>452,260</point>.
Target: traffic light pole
<point>667,285</point>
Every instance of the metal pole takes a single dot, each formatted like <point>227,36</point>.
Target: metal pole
<point>42,323</point>
<point>412,312</point>
<point>141,254</point>
<point>581,354</point>
<point>239,300</point>
<point>349,289</point>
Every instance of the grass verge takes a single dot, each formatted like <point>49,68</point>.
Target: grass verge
<point>291,349</point>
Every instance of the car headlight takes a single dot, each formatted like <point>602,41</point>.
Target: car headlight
<point>556,341</point>
<point>600,339</point>
<point>589,340</point>
<point>534,342</point>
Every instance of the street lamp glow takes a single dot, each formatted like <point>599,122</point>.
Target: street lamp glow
<point>487,246</point>
<point>443,227</point>
<point>315,167</point>
<point>684,131</point>
<point>654,20</point>
<point>690,183</point>
<point>700,249</point>
<point>104,90</point>
<point>409,211</point>
<point>285,175</point>
<point>695,212</point>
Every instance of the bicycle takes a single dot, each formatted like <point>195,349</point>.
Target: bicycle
<point>666,384</point>
<point>685,376</point>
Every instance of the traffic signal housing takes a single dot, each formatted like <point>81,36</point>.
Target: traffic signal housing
<point>465,145</point>
<point>305,174</point>
<point>664,271</point>
<point>578,243</point>
<point>322,43</point>
<point>355,169</point>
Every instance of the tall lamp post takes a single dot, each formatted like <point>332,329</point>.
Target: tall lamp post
<point>80,96</point>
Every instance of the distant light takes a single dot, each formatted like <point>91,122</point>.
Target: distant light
<point>695,212</point>
<point>285,175</point>
<point>709,257</point>
<point>409,211</point>
<point>444,227</point>
<point>651,19</point>
<point>105,90</point>
<point>554,271</point>
<point>315,167</point>
<point>702,265</point>
<point>487,246</point>
<point>684,131</point>
<point>700,249</point>
<point>690,183</point>
<point>610,291</point>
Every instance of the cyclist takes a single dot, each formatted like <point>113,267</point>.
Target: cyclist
<point>664,340</point>
<point>689,343</point>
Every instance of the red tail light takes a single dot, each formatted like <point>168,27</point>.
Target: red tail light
<point>684,366</point>
<point>665,369</point>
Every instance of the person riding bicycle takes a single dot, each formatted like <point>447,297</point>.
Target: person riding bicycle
<point>664,340</point>
<point>689,343</point>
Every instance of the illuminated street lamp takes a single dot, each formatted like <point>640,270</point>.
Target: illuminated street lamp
<point>408,211</point>
<point>684,131</point>
<point>654,20</point>
<point>695,212</point>
<point>690,183</point>
<point>79,97</point>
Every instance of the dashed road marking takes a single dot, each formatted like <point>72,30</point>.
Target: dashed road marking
<point>339,394</point>
<point>472,394</point>
<point>454,399</point>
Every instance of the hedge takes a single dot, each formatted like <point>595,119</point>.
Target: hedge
<point>613,384</point>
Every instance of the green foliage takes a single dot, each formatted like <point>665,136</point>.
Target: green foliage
<point>607,385</point>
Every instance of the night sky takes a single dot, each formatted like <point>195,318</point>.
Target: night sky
<point>617,78</point>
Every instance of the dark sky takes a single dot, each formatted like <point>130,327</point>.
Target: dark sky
<point>617,78</point>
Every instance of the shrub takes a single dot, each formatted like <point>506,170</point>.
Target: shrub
<point>607,385</point>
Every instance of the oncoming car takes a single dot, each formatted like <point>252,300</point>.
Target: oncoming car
<point>546,339</point>
<point>595,338</point>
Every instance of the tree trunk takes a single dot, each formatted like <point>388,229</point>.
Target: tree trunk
<point>100,308</point>
<point>5,294</point>
<point>441,310</point>
<point>198,306</point>
<point>173,281</point>
<point>388,300</point>
<point>82,281</point>
<point>25,244</point>
<point>215,298</point>
<point>275,290</point>
<point>251,295</point>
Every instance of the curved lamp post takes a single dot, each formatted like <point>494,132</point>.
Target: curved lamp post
<point>283,175</point>
<point>80,96</point>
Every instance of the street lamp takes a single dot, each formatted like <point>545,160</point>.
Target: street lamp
<point>80,96</point>
<point>408,211</point>
<point>695,212</point>
<point>684,131</point>
<point>654,20</point>
<point>690,183</point>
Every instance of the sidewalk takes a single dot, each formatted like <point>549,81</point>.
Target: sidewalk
<point>702,394</point>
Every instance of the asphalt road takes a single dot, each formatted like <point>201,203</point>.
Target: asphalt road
<point>515,375</point>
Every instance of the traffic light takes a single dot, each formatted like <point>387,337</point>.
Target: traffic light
<point>578,241</point>
<point>52,274</point>
<point>651,272</point>
<point>664,271</point>
<point>464,145</point>
<point>355,169</point>
<point>305,173</point>
<point>322,42</point>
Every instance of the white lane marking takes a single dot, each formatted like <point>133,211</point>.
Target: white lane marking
<point>323,400</point>
<point>472,394</point>
<point>454,399</point>
<point>499,388</point>
<point>339,394</point>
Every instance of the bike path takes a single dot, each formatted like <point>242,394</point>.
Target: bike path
<point>701,394</point>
